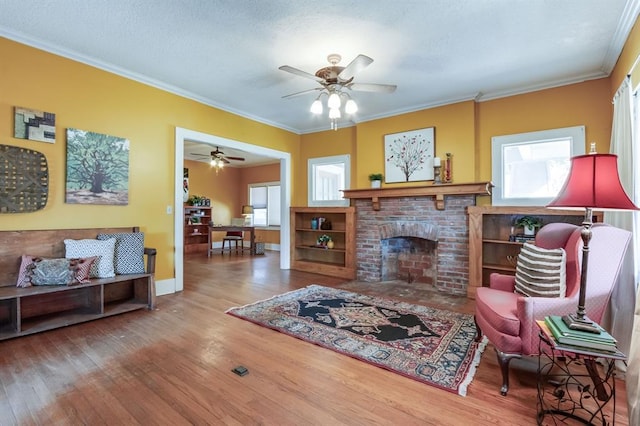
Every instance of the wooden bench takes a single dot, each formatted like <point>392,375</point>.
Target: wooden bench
<point>38,308</point>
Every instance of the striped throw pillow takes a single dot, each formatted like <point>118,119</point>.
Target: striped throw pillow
<point>541,272</point>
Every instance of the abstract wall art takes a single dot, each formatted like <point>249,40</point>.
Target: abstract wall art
<point>34,125</point>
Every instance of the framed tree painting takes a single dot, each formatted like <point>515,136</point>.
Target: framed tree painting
<point>97,168</point>
<point>408,156</point>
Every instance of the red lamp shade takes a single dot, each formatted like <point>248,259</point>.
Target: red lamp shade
<point>593,182</point>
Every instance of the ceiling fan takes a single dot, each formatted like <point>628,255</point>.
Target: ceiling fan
<point>335,77</point>
<point>219,155</point>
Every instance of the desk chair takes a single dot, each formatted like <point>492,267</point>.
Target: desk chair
<point>234,236</point>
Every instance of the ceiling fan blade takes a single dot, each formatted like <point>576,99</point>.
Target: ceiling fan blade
<point>357,65</point>
<point>196,153</point>
<point>371,87</point>
<point>300,73</point>
<point>293,95</point>
<point>234,158</point>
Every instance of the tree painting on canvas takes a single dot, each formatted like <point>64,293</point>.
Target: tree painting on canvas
<point>409,155</point>
<point>97,168</point>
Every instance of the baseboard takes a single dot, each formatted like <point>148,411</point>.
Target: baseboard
<point>165,287</point>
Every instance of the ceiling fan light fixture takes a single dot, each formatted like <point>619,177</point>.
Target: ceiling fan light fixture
<point>351,107</point>
<point>334,113</point>
<point>334,101</point>
<point>316,107</point>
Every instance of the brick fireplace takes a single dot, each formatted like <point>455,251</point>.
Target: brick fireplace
<point>431,240</point>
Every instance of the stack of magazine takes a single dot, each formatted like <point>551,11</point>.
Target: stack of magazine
<point>565,336</point>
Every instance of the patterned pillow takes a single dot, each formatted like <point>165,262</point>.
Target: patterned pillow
<point>129,252</point>
<point>37,271</point>
<point>103,250</point>
<point>541,272</point>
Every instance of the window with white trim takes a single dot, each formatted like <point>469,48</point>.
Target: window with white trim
<point>528,169</point>
<point>328,176</point>
<point>265,199</point>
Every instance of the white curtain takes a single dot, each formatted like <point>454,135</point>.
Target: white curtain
<point>633,372</point>
<point>626,123</point>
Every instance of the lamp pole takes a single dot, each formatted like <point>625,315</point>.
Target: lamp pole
<point>580,321</point>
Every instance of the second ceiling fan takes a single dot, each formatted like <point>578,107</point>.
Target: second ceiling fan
<point>219,155</point>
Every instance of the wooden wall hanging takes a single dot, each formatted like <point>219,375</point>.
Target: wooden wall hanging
<point>24,180</point>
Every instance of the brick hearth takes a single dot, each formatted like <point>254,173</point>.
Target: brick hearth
<point>406,216</point>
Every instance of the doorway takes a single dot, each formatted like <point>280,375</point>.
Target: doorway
<point>285,192</point>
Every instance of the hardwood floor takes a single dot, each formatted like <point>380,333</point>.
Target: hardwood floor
<point>173,365</point>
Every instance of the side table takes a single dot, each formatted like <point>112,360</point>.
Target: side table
<point>571,384</point>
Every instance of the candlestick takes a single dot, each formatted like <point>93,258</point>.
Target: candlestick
<point>447,168</point>
<point>436,175</point>
<point>436,162</point>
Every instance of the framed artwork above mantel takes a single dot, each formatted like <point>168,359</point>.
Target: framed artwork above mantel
<point>408,156</point>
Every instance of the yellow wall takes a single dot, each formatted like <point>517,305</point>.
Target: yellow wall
<point>260,174</point>
<point>222,188</point>
<point>454,133</point>
<point>323,144</point>
<point>465,130</point>
<point>91,99</point>
<point>626,60</point>
<point>87,98</point>
<point>587,104</point>
<point>227,190</point>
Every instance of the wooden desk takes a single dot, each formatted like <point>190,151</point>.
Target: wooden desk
<point>230,228</point>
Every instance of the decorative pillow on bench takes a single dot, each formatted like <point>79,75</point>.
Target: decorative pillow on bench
<point>129,252</point>
<point>38,271</point>
<point>103,250</point>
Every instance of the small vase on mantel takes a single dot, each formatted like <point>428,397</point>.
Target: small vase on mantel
<point>375,183</point>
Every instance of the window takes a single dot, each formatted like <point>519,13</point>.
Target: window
<point>328,176</point>
<point>265,199</point>
<point>530,168</point>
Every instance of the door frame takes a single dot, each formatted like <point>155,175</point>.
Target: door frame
<point>183,134</point>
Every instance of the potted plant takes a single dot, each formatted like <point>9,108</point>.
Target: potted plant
<point>376,179</point>
<point>323,240</point>
<point>194,200</point>
<point>529,223</point>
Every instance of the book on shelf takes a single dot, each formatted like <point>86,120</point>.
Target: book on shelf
<point>522,238</point>
<point>579,339</point>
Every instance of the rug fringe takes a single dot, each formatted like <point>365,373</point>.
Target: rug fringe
<point>462,390</point>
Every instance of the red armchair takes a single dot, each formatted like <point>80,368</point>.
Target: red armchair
<point>508,319</point>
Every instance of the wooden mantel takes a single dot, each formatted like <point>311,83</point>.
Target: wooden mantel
<point>439,191</point>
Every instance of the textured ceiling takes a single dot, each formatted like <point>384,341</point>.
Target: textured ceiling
<point>227,53</point>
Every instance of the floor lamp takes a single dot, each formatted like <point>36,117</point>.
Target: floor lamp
<point>593,183</point>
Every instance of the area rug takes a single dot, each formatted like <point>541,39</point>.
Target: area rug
<point>430,345</point>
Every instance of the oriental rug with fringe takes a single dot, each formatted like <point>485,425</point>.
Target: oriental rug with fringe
<point>430,345</point>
